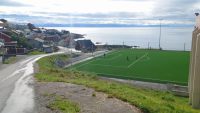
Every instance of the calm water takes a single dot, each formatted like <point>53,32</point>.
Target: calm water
<point>173,38</point>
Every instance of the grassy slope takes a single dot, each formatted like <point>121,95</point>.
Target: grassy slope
<point>63,105</point>
<point>36,53</point>
<point>10,60</point>
<point>159,66</point>
<point>147,100</point>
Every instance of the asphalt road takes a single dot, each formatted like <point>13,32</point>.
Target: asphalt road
<point>16,89</point>
<point>16,83</point>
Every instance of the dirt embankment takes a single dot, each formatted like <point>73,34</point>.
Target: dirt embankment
<point>88,100</point>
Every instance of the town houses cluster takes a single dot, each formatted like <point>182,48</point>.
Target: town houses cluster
<point>18,38</point>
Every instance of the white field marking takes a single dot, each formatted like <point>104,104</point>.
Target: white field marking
<point>109,66</point>
<point>142,78</point>
<point>114,52</point>
<point>137,60</point>
<point>114,57</point>
<point>146,59</point>
<point>92,60</point>
<point>96,58</point>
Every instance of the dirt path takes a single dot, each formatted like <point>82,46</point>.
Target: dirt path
<point>89,100</point>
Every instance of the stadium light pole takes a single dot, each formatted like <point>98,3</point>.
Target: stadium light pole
<point>184,47</point>
<point>160,33</point>
<point>92,50</point>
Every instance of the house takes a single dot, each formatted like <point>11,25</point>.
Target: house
<point>52,32</point>
<point>10,48</point>
<point>36,43</point>
<point>85,45</point>
<point>5,37</point>
<point>41,45</point>
<point>1,44</point>
<point>48,48</point>
<point>53,38</point>
<point>1,25</point>
<point>1,47</point>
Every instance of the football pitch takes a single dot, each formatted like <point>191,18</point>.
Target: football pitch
<point>144,65</point>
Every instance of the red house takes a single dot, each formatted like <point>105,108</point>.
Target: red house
<point>5,37</point>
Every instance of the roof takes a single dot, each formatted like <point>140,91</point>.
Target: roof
<point>85,43</point>
<point>39,40</point>
<point>46,46</point>
<point>5,37</point>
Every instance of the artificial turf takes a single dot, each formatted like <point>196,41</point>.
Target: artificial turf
<point>138,64</point>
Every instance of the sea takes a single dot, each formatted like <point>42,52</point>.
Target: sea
<point>172,38</point>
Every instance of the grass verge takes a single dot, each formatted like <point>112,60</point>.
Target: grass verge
<point>149,101</point>
<point>10,60</point>
<point>63,105</point>
<point>36,53</point>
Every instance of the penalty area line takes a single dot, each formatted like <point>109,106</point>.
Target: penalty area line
<point>137,60</point>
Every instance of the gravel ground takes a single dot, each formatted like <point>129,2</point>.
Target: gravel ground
<point>89,100</point>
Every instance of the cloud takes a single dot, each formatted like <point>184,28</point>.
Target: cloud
<point>174,8</point>
<point>11,3</point>
<point>147,12</point>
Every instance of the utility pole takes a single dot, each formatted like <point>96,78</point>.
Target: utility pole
<point>71,57</point>
<point>148,44</point>
<point>184,46</point>
<point>71,51</point>
<point>123,44</point>
<point>160,34</point>
<point>92,49</point>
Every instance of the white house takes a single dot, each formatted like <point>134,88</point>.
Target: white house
<point>1,24</point>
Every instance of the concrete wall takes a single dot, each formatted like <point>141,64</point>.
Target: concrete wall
<point>194,73</point>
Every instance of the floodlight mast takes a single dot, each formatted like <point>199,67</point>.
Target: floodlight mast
<point>194,75</point>
<point>197,20</point>
<point>160,34</point>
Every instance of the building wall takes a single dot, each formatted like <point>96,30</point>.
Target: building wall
<point>48,49</point>
<point>35,44</point>
<point>5,37</point>
<point>194,73</point>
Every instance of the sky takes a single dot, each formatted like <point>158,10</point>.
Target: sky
<point>125,12</point>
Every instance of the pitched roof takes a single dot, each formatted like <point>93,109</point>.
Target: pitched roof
<point>38,39</point>
<point>85,43</point>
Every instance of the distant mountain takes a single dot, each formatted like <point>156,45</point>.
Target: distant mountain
<point>109,25</point>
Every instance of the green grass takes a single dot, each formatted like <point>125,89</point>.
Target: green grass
<point>149,101</point>
<point>10,60</point>
<point>64,105</point>
<point>36,52</point>
<point>145,65</point>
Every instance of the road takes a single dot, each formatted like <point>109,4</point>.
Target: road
<point>16,84</point>
<point>17,93</point>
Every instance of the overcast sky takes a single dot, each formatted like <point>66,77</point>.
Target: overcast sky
<point>140,12</point>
